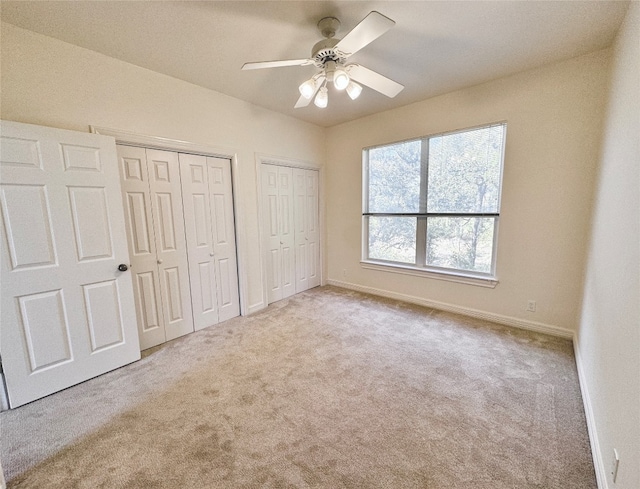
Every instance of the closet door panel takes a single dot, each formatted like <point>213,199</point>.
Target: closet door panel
<point>171,250</point>
<point>223,228</point>
<point>165,225</point>
<point>142,247</point>
<point>173,298</point>
<point>301,240</point>
<point>146,289</point>
<point>271,220</point>
<point>312,222</point>
<point>137,208</point>
<point>199,234</point>
<point>287,230</point>
<point>206,291</point>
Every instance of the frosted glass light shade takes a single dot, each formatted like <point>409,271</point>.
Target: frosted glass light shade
<point>308,88</point>
<point>340,79</point>
<point>354,90</point>
<point>322,99</point>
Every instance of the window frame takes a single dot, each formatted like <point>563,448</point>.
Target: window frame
<point>420,267</point>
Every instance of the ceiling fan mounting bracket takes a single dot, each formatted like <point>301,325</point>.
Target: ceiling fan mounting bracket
<point>323,51</point>
<point>328,26</point>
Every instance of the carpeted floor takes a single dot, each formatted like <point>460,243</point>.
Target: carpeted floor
<point>327,389</point>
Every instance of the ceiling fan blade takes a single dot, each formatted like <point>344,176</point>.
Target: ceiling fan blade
<point>302,101</point>
<point>258,65</point>
<point>369,29</point>
<point>374,80</point>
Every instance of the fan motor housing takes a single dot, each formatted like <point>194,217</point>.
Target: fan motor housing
<point>323,51</point>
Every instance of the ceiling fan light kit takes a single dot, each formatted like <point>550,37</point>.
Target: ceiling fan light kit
<point>340,79</point>
<point>330,55</point>
<point>322,99</point>
<point>308,88</point>
<point>354,90</point>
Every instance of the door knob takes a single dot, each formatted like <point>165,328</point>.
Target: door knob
<point>212,254</point>
<point>122,267</point>
<point>159,261</point>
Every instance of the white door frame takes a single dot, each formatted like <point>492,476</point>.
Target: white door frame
<point>264,159</point>
<point>156,142</point>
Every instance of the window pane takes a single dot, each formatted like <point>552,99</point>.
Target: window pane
<point>394,178</point>
<point>464,171</point>
<point>462,243</point>
<point>392,238</point>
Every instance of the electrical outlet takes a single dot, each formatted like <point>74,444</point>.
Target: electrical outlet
<point>614,465</point>
<point>531,306</point>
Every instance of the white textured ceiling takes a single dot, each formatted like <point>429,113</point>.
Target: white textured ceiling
<point>435,47</point>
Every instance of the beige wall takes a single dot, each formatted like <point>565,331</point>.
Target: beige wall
<point>608,343</point>
<point>52,83</point>
<point>554,117</point>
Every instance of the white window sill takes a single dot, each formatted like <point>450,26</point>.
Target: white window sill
<point>462,278</point>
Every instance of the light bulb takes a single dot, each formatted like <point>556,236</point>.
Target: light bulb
<point>353,89</point>
<point>340,79</point>
<point>308,88</point>
<point>322,99</point>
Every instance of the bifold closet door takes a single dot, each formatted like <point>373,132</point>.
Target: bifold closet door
<point>224,237</point>
<point>171,247</point>
<point>307,253</point>
<point>278,216</point>
<point>313,226</point>
<point>142,245</point>
<point>155,221</point>
<point>211,245</point>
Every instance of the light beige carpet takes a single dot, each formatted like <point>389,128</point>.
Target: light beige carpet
<point>328,389</point>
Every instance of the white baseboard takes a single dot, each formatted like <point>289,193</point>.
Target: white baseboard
<point>465,311</point>
<point>3,484</point>
<point>598,461</point>
<point>253,308</point>
<point>4,398</point>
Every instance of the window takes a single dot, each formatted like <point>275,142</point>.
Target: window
<point>433,203</point>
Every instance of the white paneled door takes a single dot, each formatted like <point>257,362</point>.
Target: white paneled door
<point>300,229</point>
<point>290,223</point>
<point>210,230</point>
<point>155,221</point>
<point>278,216</point>
<point>142,245</point>
<point>171,246</point>
<point>224,237</point>
<point>67,306</point>
<point>271,227</point>
<point>313,227</point>
<point>305,184</point>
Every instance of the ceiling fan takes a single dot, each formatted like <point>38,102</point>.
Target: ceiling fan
<point>331,54</point>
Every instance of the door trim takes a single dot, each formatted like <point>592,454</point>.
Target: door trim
<point>179,146</point>
<point>265,159</point>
